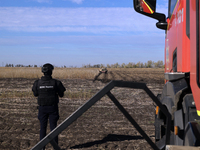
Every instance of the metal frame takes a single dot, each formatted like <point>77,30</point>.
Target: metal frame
<point>175,75</point>
<point>106,90</point>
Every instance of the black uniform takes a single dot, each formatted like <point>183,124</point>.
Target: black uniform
<point>47,90</point>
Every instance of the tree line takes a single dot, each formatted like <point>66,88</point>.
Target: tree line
<point>19,65</point>
<point>148,64</point>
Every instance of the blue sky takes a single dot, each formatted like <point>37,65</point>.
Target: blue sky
<point>77,32</point>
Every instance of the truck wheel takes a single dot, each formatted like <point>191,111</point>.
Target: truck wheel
<point>192,132</point>
<point>192,125</point>
<point>160,131</point>
<point>161,125</point>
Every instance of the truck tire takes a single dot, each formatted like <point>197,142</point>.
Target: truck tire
<point>191,125</point>
<point>160,130</point>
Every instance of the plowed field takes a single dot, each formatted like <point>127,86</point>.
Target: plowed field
<point>102,127</point>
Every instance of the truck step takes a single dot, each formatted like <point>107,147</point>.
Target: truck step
<point>174,147</point>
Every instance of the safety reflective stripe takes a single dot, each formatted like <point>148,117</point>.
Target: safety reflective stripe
<point>198,112</point>
<point>148,7</point>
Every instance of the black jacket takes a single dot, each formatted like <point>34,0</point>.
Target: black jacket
<point>47,90</point>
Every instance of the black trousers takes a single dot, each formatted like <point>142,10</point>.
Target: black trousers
<point>48,113</point>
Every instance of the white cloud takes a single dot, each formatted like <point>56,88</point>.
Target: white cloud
<point>77,1</point>
<point>43,1</point>
<point>90,20</point>
<point>86,40</point>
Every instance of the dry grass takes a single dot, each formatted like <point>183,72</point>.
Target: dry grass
<point>9,72</point>
<point>14,75</point>
<point>16,94</point>
<point>59,73</point>
<point>83,94</point>
<point>74,73</point>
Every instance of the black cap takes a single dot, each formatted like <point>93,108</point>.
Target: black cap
<point>47,68</point>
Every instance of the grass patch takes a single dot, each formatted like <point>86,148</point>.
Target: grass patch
<point>16,94</point>
<point>82,94</point>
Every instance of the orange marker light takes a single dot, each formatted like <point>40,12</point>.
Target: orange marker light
<point>176,130</point>
<point>157,108</point>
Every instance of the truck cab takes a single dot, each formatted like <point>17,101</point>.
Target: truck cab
<point>181,92</point>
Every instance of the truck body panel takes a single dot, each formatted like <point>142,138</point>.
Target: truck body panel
<point>177,47</point>
<point>194,52</point>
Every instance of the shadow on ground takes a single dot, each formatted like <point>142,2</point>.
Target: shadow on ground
<point>108,138</point>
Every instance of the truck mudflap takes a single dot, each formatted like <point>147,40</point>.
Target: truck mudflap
<point>192,132</point>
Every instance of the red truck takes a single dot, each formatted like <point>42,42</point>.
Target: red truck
<point>181,92</point>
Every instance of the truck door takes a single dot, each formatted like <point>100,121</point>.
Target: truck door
<point>171,36</point>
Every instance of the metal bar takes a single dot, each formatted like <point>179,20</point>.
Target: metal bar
<point>73,117</point>
<point>98,96</point>
<point>153,97</point>
<point>128,84</point>
<point>133,122</point>
<point>164,110</point>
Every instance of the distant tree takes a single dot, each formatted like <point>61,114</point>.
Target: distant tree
<point>86,66</point>
<point>138,65</point>
<point>97,66</point>
<point>159,64</point>
<point>123,65</point>
<point>108,66</point>
<point>9,65</point>
<point>134,65</point>
<point>18,65</point>
<point>102,66</point>
<point>116,65</point>
<point>149,64</point>
<point>142,65</point>
<point>130,65</point>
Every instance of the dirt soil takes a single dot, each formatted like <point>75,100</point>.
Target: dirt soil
<point>102,127</point>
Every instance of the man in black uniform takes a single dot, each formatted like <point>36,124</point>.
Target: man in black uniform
<point>47,90</point>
